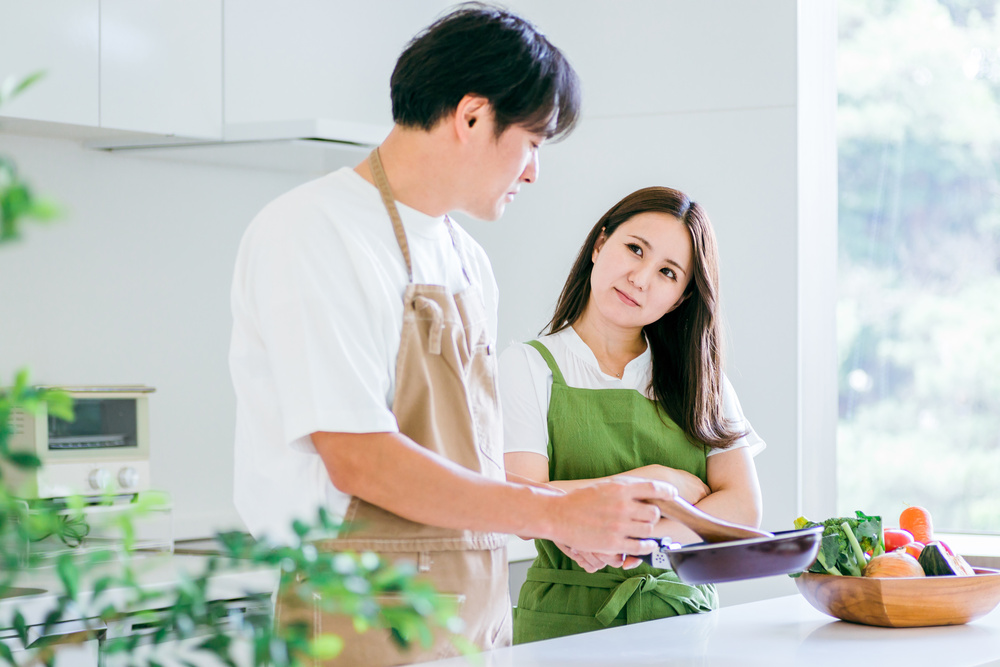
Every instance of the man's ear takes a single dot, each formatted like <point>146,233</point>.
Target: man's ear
<point>470,115</point>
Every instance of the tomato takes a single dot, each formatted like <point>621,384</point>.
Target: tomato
<point>914,548</point>
<point>896,538</point>
<point>917,521</point>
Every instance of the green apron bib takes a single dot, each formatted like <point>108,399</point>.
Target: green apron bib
<point>597,433</point>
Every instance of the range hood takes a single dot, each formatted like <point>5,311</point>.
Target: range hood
<point>312,147</point>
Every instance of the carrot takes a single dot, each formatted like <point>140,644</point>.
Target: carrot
<point>917,521</point>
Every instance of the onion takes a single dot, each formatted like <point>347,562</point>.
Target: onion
<point>893,564</point>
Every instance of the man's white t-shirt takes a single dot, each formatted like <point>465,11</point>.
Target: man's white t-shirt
<point>317,301</point>
<point>526,388</point>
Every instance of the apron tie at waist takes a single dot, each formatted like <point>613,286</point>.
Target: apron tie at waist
<point>630,593</point>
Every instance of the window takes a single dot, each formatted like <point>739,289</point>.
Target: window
<point>918,312</point>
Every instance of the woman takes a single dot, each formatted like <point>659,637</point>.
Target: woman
<point>628,381</point>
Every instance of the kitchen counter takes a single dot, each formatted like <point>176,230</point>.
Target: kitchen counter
<point>154,573</point>
<point>780,631</point>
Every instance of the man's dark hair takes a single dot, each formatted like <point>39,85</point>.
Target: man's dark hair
<point>485,50</point>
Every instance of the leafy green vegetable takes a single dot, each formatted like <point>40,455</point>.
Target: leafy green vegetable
<point>847,544</point>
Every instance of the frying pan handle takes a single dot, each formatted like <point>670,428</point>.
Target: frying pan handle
<point>707,526</point>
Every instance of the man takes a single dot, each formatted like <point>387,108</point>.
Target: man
<point>363,350</point>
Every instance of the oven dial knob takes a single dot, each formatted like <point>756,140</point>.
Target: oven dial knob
<point>99,479</point>
<point>128,477</point>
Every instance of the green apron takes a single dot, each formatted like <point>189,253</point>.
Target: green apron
<point>597,433</point>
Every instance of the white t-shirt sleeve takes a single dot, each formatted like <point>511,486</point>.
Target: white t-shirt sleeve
<point>732,411</point>
<point>319,333</point>
<point>525,387</point>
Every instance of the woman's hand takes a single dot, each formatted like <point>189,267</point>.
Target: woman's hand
<point>689,486</point>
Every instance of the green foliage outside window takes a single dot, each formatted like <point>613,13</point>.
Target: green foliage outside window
<point>919,259</point>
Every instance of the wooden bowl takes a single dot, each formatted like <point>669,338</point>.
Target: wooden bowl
<point>903,602</point>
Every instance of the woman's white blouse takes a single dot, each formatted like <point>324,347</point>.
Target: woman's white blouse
<point>526,386</point>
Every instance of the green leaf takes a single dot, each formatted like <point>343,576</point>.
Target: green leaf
<point>150,500</point>
<point>12,86</point>
<point>217,644</point>
<point>160,634</point>
<point>261,652</point>
<point>69,574</point>
<point>101,585</point>
<point>15,201</point>
<point>21,627</point>
<point>51,619</point>
<point>300,527</point>
<point>59,404</point>
<point>6,654</point>
<point>326,647</point>
<point>20,383</point>
<point>114,645</point>
<point>24,460</point>
<point>44,210</point>
<point>108,613</point>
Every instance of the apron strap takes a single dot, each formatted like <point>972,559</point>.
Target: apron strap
<point>557,376</point>
<point>627,592</point>
<point>382,183</point>
<point>458,248</point>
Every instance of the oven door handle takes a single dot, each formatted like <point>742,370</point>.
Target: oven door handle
<point>63,629</point>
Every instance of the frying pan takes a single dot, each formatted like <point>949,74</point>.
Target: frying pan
<point>731,552</point>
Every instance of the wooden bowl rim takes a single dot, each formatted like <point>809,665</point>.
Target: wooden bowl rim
<point>979,572</point>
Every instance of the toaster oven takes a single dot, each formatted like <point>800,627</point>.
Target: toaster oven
<point>103,451</point>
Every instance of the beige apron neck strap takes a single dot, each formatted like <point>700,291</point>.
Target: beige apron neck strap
<point>458,249</point>
<point>382,183</point>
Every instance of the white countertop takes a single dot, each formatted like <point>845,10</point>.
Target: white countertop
<point>780,631</point>
<point>154,573</point>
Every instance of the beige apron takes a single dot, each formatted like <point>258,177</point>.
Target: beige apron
<point>445,400</point>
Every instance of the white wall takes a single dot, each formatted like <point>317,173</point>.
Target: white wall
<point>131,286</point>
<point>703,95</point>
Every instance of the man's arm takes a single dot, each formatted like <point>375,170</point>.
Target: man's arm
<point>393,472</point>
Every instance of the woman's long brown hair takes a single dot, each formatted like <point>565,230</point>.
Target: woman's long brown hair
<point>686,343</point>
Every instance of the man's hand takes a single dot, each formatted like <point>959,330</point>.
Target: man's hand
<point>610,517</point>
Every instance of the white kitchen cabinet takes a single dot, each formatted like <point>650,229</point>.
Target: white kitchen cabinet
<point>316,58</point>
<point>60,37</point>
<point>161,66</point>
<point>656,57</point>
